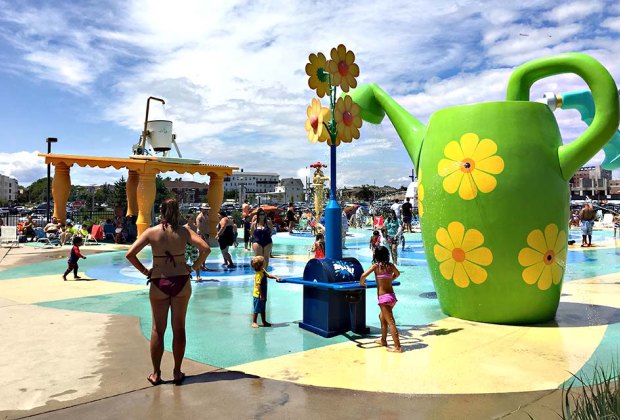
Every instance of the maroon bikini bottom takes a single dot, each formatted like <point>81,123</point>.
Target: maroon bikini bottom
<point>171,286</point>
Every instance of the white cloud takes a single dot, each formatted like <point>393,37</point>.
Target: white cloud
<point>577,10</point>
<point>612,23</point>
<point>232,73</point>
<point>25,166</point>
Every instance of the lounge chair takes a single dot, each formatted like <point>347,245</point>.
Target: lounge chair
<point>109,231</point>
<point>9,235</point>
<point>95,232</point>
<point>43,240</point>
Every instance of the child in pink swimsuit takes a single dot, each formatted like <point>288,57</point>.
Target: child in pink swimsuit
<point>385,274</point>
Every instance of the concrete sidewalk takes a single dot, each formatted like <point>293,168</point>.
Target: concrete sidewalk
<point>71,364</point>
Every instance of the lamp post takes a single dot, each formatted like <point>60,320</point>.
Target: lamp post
<point>49,142</point>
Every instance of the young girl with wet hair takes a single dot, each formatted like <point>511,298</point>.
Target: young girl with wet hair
<point>385,274</point>
<point>319,246</point>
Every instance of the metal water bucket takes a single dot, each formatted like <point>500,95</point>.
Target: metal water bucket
<point>160,134</point>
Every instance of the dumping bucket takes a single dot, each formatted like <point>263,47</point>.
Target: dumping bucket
<point>160,134</point>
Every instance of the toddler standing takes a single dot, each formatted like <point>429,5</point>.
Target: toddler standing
<point>73,258</point>
<point>385,273</point>
<point>260,290</point>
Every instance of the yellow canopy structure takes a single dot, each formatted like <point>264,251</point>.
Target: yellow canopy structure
<point>140,182</point>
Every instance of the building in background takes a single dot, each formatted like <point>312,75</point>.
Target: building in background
<point>187,192</point>
<point>8,188</point>
<point>591,181</point>
<point>251,182</point>
<point>293,189</point>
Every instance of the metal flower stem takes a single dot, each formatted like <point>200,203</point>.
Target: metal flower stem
<point>333,212</point>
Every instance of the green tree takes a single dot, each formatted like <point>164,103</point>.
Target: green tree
<point>120,193</point>
<point>161,192</point>
<point>231,195</point>
<point>37,191</point>
<point>365,193</point>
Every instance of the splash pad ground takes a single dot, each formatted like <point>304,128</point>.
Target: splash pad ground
<point>81,347</point>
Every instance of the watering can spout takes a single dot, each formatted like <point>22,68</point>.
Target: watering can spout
<point>374,103</point>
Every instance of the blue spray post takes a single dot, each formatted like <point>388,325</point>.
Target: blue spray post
<point>333,214</point>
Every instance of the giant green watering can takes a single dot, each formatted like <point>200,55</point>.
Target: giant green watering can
<point>493,190</point>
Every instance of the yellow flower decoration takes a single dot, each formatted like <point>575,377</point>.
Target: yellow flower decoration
<point>545,258</point>
<point>468,166</point>
<point>314,124</point>
<point>461,254</point>
<point>420,194</point>
<point>343,69</point>
<point>318,63</point>
<point>348,121</point>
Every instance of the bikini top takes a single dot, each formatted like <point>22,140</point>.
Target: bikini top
<point>169,257</point>
<point>384,276</point>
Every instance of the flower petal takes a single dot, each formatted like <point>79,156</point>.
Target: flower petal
<point>473,239</point>
<point>467,189</point>
<point>528,256</point>
<point>545,278</point>
<point>557,272</point>
<point>532,273</point>
<point>480,256</point>
<point>456,230</point>
<point>354,70</point>
<point>485,182</point>
<point>454,151</point>
<point>448,166</point>
<point>493,165</point>
<point>551,235</point>
<point>443,237</point>
<point>537,241</point>
<point>560,243</point>
<point>441,253</point>
<point>460,276</point>
<point>469,142</point>
<point>476,274</point>
<point>451,182</point>
<point>447,268</point>
<point>485,148</point>
<point>349,58</point>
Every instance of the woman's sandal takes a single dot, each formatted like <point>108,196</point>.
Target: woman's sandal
<point>154,380</point>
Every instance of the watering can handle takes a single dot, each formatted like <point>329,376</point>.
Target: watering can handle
<point>604,92</point>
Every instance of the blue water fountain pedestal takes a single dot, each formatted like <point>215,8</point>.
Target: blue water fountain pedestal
<point>334,302</point>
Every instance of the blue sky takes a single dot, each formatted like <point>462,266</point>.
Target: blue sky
<point>232,74</point>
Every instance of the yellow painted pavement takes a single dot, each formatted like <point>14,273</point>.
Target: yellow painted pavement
<point>435,358</point>
<point>52,287</point>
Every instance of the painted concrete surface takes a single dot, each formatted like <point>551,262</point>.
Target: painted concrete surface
<point>94,334</point>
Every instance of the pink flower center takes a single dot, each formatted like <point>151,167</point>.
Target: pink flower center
<point>347,118</point>
<point>343,69</point>
<point>314,122</point>
<point>458,255</point>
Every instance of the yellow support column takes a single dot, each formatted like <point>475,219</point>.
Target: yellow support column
<point>215,195</point>
<point>132,193</point>
<point>61,187</point>
<point>146,198</point>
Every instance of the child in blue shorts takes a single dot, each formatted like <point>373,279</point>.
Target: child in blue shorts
<point>260,290</point>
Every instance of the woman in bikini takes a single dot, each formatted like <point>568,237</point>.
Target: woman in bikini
<point>170,285</point>
<point>385,274</point>
<point>261,235</point>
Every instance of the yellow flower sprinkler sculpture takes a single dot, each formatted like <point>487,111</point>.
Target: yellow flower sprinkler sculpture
<point>341,122</point>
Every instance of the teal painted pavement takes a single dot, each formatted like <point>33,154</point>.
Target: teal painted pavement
<point>218,322</point>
